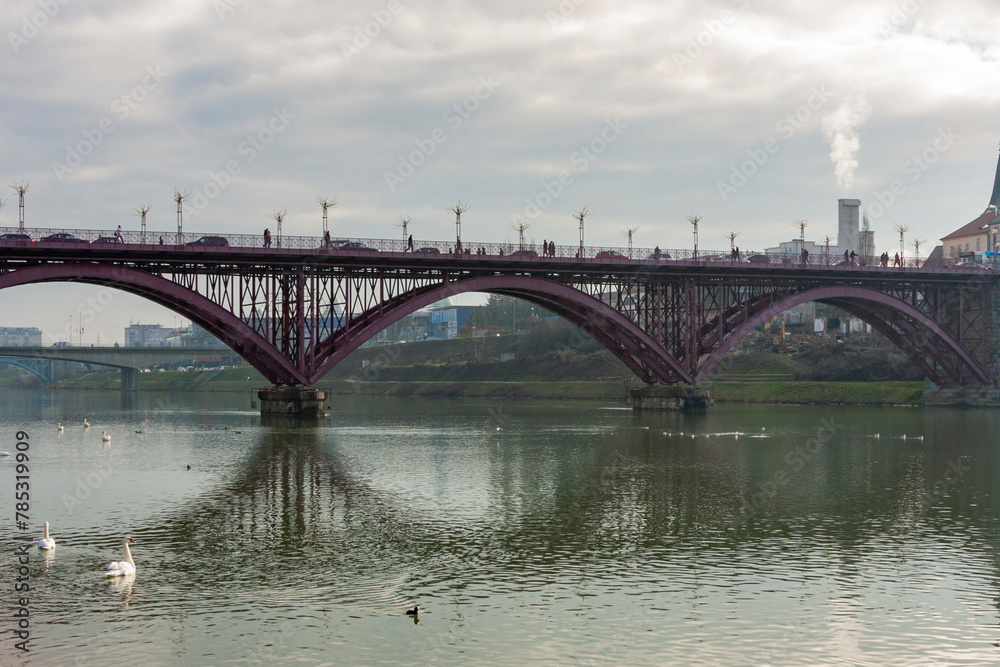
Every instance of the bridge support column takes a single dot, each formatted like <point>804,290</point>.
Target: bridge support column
<point>672,397</point>
<point>130,379</point>
<point>292,401</point>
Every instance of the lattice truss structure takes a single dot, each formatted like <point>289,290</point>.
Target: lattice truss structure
<point>297,316</point>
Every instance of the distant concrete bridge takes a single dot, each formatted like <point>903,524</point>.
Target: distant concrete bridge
<point>126,359</point>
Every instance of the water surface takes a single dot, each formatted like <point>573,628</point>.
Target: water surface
<point>579,533</point>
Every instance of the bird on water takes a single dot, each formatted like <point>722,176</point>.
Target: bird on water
<point>413,612</point>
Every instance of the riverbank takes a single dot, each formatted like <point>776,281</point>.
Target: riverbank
<point>750,389</point>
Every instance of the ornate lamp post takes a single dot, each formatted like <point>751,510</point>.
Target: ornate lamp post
<point>141,212</point>
<point>628,231</point>
<point>179,197</point>
<point>902,229</point>
<point>693,219</point>
<point>583,213</point>
<point>278,217</point>
<point>458,209</point>
<point>20,189</point>
<point>520,227</point>
<point>326,203</point>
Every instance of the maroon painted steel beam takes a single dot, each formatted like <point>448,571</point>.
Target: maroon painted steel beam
<point>219,322</point>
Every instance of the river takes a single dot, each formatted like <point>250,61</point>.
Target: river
<point>527,532</point>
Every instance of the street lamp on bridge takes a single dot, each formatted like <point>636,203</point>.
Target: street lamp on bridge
<point>458,209</point>
<point>693,219</point>
<point>20,189</point>
<point>916,249</point>
<point>141,212</point>
<point>405,221</point>
<point>278,217</point>
<point>179,197</point>
<point>732,239</point>
<point>520,227</point>
<point>801,224</point>
<point>902,229</point>
<point>326,203</point>
<point>580,215</point>
<point>628,232</point>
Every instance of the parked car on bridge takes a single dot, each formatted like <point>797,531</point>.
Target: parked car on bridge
<point>16,236</point>
<point>524,253</point>
<point>428,250</point>
<point>610,254</point>
<point>355,246</point>
<point>64,237</point>
<point>760,259</point>
<point>214,241</point>
<point>105,239</point>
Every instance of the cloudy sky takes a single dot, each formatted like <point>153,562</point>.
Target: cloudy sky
<point>752,114</point>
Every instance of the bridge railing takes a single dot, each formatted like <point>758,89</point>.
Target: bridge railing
<point>509,251</point>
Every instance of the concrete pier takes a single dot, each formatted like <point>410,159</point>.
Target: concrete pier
<point>671,397</point>
<point>292,401</point>
<point>962,396</point>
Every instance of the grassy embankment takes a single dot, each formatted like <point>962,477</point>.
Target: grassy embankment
<point>543,365</point>
<point>754,388</point>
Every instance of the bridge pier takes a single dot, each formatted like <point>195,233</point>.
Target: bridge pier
<point>296,401</point>
<point>671,397</point>
<point>129,379</point>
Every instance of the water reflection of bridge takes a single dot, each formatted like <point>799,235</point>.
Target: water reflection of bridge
<point>601,500</point>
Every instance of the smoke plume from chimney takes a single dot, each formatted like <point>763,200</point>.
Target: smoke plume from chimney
<point>841,129</point>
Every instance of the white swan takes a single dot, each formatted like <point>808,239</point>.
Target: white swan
<point>105,437</point>
<point>86,424</point>
<point>47,542</point>
<point>120,568</point>
<point>59,427</point>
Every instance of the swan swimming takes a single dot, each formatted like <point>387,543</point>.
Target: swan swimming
<point>105,437</point>
<point>121,568</point>
<point>47,542</point>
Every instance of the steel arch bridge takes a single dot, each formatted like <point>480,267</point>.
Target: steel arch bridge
<point>294,313</point>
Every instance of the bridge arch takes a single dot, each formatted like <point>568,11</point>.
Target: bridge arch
<point>33,368</point>
<point>620,335</point>
<point>927,343</point>
<point>907,327</point>
<point>215,319</point>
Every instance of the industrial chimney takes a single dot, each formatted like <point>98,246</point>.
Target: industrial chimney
<point>848,219</point>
